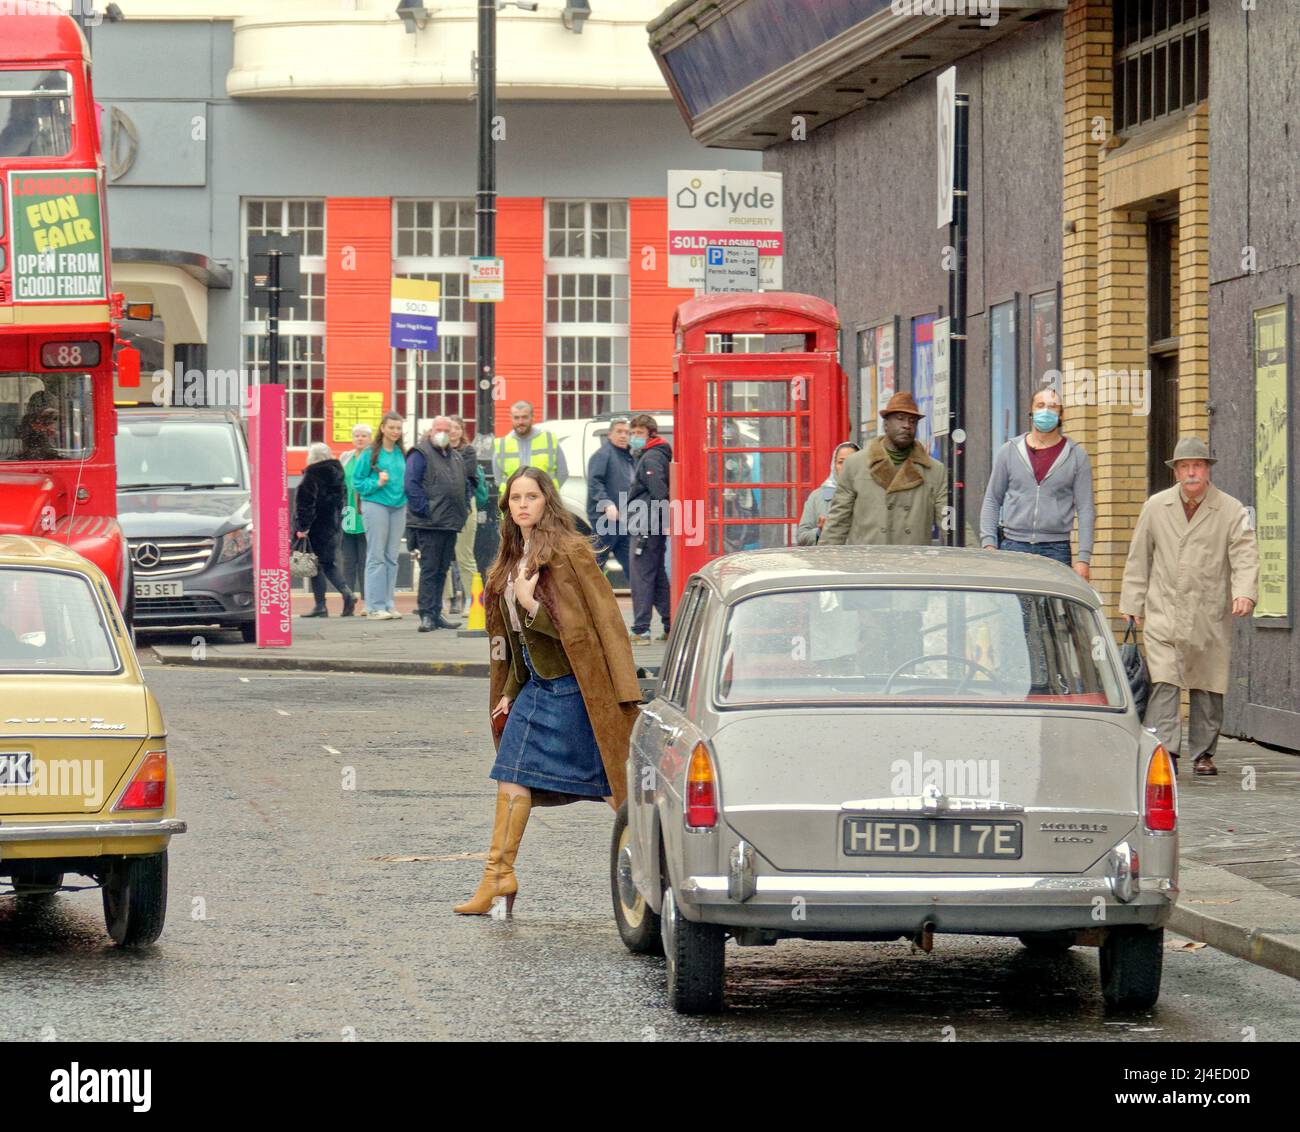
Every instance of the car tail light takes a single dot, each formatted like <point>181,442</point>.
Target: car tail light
<point>1161,796</point>
<point>148,789</point>
<point>701,790</point>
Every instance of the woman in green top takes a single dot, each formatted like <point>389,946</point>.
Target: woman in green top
<point>354,527</point>
<point>380,481</point>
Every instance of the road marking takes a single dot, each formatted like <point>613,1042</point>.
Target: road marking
<point>243,679</point>
<point>281,711</point>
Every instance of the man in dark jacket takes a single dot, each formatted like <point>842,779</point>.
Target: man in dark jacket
<point>609,478</point>
<point>647,526</point>
<point>318,516</point>
<point>439,488</point>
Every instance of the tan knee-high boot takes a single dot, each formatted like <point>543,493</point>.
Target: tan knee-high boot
<point>499,872</point>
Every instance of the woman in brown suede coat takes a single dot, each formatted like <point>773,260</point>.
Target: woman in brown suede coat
<point>563,678</point>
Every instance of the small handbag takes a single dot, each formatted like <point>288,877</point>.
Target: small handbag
<point>1135,669</point>
<point>303,562</point>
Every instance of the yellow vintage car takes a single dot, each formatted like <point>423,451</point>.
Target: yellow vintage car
<point>85,782</point>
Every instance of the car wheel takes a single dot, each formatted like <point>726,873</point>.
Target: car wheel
<point>248,630</point>
<point>1048,943</point>
<point>638,924</point>
<point>1131,962</point>
<point>135,899</point>
<point>696,959</point>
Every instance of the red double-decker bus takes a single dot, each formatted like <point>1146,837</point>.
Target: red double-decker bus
<point>57,421</point>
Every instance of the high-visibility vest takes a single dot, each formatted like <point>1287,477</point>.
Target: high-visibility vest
<point>546,458</point>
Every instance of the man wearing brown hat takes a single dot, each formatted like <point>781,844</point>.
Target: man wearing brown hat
<point>1192,566</point>
<point>891,493</point>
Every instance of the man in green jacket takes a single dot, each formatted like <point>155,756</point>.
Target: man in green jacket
<point>892,493</point>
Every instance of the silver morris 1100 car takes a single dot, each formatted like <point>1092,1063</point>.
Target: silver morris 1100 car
<point>874,743</point>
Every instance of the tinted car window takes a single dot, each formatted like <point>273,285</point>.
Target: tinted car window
<point>159,453</point>
<point>51,622</point>
<point>906,645</point>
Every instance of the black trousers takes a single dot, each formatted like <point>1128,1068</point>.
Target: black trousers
<point>327,556</point>
<point>354,560</point>
<point>437,551</point>
<point>649,581</point>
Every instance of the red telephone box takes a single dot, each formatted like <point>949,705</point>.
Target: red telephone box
<point>759,404</point>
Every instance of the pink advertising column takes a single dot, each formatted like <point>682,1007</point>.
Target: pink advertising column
<point>272,588</point>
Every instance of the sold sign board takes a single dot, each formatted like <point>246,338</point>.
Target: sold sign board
<point>58,239</point>
<point>723,208</point>
<point>413,315</point>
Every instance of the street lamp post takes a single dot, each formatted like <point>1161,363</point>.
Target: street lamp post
<point>485,209</point>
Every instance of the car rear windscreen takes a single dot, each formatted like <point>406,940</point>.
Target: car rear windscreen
<point>50,621</point>
<point>912,645</point>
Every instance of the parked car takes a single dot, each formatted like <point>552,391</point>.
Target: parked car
<point>874,743</point>
<point>85,778</point>
<point>183,498</point>
<point>581,439</point>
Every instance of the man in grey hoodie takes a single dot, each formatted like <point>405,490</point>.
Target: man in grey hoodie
<point>1041,482</point>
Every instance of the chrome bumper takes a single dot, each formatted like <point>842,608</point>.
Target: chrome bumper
<point>84,830</point>
<point>919,890</point>
<point>976,905</point>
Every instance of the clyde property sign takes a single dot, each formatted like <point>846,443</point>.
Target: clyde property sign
<point>723,208</point>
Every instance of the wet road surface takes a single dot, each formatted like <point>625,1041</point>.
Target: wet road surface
<point>284,922</point>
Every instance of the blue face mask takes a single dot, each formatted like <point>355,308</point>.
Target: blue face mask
<point>636,442</point>
<point>1046,419</point>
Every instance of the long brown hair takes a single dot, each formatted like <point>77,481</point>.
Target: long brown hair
<point>553,533</point>
<point>378,442</point>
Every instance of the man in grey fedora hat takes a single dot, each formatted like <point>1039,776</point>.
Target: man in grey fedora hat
<point>1192,566</point>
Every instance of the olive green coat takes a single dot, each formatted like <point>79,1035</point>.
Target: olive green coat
<point>1181,578</point>
<point>577,624</point>
<point>878,504</point>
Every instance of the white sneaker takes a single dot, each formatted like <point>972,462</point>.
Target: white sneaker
<point>394,615</point>
<point>379,615</point>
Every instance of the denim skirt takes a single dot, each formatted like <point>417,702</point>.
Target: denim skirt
<point>548,743</point>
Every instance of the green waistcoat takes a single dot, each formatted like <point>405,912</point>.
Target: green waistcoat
<point>544,648</point>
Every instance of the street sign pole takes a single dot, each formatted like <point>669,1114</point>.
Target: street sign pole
<point>957,236</point>
<point>273,319</point>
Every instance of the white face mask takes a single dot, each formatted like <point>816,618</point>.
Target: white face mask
<point>441,439</point>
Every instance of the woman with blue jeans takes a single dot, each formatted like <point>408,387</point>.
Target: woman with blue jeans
<point>379,482</point>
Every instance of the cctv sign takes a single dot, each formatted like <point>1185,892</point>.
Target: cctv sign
<point>723,208</point>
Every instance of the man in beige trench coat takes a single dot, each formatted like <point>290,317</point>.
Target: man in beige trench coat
<point>1192,566</point>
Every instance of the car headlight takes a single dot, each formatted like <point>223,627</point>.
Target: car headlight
<point>236,543</point>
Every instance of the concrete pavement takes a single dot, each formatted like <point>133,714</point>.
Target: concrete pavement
<point>352,644</point>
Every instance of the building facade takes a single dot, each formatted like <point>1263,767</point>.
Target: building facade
<point>358,136</point>
<point>1133,232</point>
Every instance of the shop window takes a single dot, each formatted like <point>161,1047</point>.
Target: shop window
<point>302,371</point>
<point>586,307</point>
<point>584,376</point>
<point>433,240</point>
<point>302,318</point>
<point>433,383</point>
<point>1161,59</point>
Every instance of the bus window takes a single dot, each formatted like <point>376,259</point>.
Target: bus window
<point>45,416</point>
<point>35,113</point>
